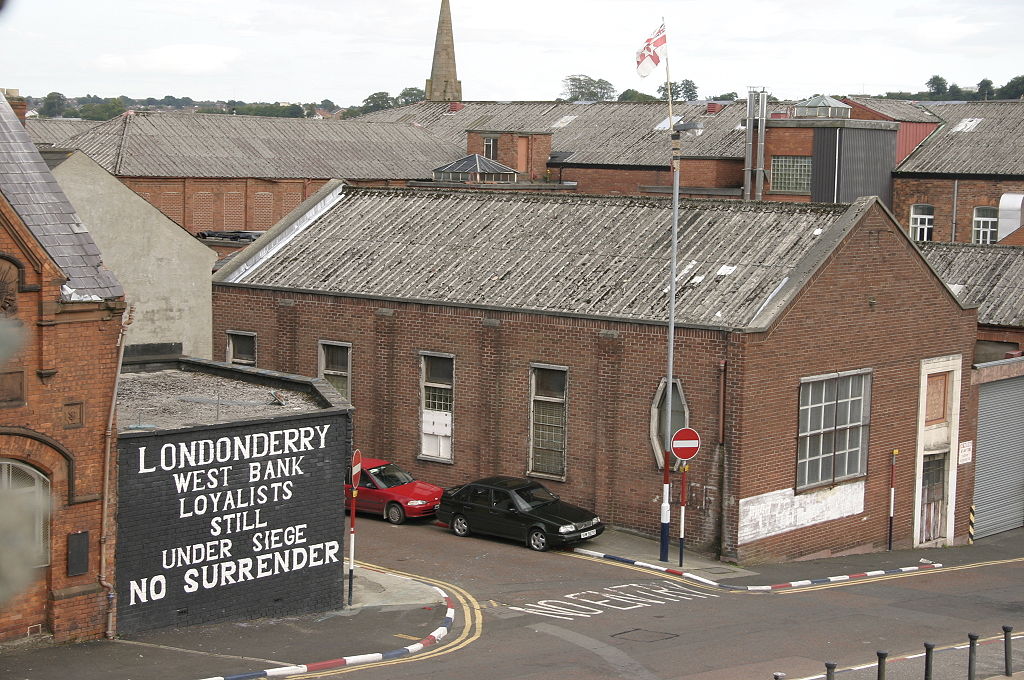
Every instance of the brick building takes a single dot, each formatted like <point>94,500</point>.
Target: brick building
<point>62,319</point>
<point>213,172</point>
<point>965,182</point>
<point>517,333</point>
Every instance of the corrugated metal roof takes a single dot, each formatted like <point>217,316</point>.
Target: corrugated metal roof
<point>739,262</point>
<point>476,163</point>
<point>28,185</point>
<point>217,145</point>
<point>898,109</point>
<point>55,130</point>
<point>601,133</point>
<point>989,276</point>
<point>976,138</point>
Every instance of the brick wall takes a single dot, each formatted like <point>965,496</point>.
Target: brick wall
<point>614,370</point>
<point>59,431</point>
<point>783,141</point>
<point>224,204</point>
<point>970,194</point>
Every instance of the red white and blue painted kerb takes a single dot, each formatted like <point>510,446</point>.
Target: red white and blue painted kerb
<point>777,586</point>
<point>286,671</point>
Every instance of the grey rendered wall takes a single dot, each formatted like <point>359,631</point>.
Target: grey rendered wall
<point>164,270</point>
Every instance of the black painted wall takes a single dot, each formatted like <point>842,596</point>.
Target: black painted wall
<point>206,533</point>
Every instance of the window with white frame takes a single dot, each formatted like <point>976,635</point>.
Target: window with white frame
<point>834,420</point>
<point>336,367</point>
<point>26,493</point>
<point>922,220</point>
<point>241,348</point>
<point>491,148</point>
<point>791,174</point>
<point>438,373</point>
<point>986,225</point>
<point>547,420</point>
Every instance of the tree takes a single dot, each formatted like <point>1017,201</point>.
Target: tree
<point>955,93</point>
<point>727,97</point>
<point>105,110</point>
<point>410,95</point>
<point>1014,89</point>
<point>328,105</point>
<point>985,89</point>
<point>53,105</point>
<point>636,96</point>
<point>377,102</point>
<point>937,86</point>
<point>683,90</point>
<point>581,88</point>
<point>310,109</point>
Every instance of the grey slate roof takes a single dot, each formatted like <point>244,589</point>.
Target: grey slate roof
<point>54,131</point>
<point>603,133</point>
<point>28,185</point>
<point>897,109</point>
<point>474,162</point>
<point>592,256</point>
<point>989,276</point>
<point>976,138</point>
<point>217,145</point>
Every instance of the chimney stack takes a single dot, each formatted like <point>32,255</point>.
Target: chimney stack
<point>17,103</point>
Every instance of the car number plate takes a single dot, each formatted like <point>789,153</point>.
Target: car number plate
<point>588,534</point>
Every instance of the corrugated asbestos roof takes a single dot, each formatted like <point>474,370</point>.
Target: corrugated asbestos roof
<point>28,185</point>
<point>991,277</point>
<point>603,133</point>
<point>54,131</point>
<point>739,263</point>
<point>898,109</point>
<point>976,138</point>
<point>217,145</point>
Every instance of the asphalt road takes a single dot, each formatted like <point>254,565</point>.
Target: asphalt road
<point>558,615</point>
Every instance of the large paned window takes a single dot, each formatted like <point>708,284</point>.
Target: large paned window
<point>491,148</point>
<point>438,375</point>
<point>336,367</point>
<point>922,221</point>
<point>547,420</point>
<point>986,225</point>
<point>26,494</point>
<point>241,348</point>
<point>791,174</point>
<point>834,419</point>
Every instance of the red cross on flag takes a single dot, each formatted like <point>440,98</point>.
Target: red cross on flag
<point>650,55</point>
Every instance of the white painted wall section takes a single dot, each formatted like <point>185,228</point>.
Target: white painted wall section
<point>777,512</point>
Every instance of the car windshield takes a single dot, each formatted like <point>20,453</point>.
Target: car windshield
<point>534,496</point>
<point>390,475</point>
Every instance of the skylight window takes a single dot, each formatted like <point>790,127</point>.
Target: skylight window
<point>563,121</point>
<point>967,125</point>
<point>666,125</point>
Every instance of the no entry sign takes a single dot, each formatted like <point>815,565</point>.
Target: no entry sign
<point>685,443</point>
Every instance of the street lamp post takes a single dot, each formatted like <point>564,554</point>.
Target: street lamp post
<point>690,129</point>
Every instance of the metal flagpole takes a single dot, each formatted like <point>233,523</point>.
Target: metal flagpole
<point>666,508</point>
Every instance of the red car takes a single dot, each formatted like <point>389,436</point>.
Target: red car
<point>388,490</point>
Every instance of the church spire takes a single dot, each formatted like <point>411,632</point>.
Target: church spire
<point>443,84</point>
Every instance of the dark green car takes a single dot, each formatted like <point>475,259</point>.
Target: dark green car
<point>519,509</point>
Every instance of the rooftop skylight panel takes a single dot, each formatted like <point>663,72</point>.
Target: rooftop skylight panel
<point>967,125</point>
<point>563,121</point>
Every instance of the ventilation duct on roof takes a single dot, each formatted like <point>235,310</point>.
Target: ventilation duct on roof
<point>1009,214</point>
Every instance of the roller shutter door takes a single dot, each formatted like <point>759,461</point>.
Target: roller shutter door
<point>999,463</point>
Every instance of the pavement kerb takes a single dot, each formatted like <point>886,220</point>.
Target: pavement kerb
<point>765,588</point>
<point>281,672</point>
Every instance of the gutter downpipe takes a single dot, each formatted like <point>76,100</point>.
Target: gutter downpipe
<point>108,436</point>
<point>723,451</point>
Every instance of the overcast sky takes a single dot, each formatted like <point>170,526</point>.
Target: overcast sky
<point>343,50</point>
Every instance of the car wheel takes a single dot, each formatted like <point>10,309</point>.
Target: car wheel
<point>394,513</point>
<point>537,540</point>
<point>460,527</point>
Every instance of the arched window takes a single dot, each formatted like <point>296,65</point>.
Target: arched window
<point>986,225</point>
<point>25,503</point>
<point>922,219</point>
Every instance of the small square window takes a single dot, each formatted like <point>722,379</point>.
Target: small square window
<point>335,366</point>
<point>241,348</point>
<point>791,174</point>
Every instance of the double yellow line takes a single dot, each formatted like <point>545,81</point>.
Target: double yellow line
<point>470,631</point>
